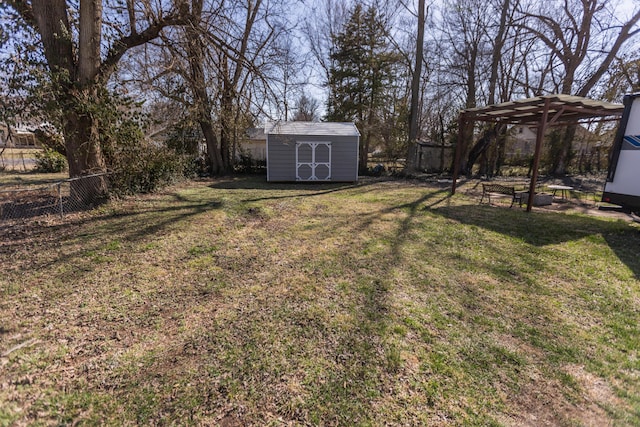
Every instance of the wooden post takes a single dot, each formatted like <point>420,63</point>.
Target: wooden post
<point>542,127</point>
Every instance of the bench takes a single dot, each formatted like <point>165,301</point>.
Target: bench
<point>500,190</point>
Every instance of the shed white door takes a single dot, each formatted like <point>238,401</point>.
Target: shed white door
<point>313,161</point>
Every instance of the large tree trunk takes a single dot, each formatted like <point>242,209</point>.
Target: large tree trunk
<point>213,150</point>
<point>82,144</point>
<point>415,92</point>
<point>78,83</point>
<point>89,41</point>
<point>196,49</point>
<point>480,148</point>
<point>230,81</point>
<point>562,159</point>
<point>366,142</point>
<point>501,140</point>
<point>51,19</point>
<point>83,147</point>
<point>85,157</point>
<point>364,153</point>
<point>226,128</point>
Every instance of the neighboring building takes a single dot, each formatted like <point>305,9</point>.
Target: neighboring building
<point>521,142</point>
<point>312,151</point>
<point>19,137</point>
<point>157,135</point>
<point>251,146</point>
<point>254,145</point>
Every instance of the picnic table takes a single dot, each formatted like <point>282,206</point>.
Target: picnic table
<point>564,190</point>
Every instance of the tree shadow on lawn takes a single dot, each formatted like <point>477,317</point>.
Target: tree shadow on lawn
<point>466,303</point>
<point>542,228</point>
<point>260,183</point>
<point>292,189</point>
<point>359,356</point>
<point>365,220</point>
<point>95,231</point>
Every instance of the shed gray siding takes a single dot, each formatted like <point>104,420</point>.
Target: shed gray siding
<point>281,156</point>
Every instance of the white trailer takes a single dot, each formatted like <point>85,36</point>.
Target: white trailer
<point>623,180</point>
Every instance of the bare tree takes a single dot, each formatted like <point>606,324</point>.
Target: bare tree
<point>196,51</point>
<point>415,89</point>
<point>582,38</point>
<point>306,109</point>
<point>324,23</point>
<point>220,68</point>
<point>80,68</point>
<point>498,42</point>
<point>623,77</point>
<point>464,54</point>
<point>288,74</point>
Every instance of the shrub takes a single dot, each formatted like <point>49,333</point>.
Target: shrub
<point>137,165</point>
<point>146,168</point>
<point>50,161</point>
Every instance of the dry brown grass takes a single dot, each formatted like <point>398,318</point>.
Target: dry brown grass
<point>234,302</point>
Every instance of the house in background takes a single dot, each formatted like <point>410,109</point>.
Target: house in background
<point>18,137</point>
<point>253,146</point>
<point>312,151</point>
<point>521,142</point>
<point>587,146</point>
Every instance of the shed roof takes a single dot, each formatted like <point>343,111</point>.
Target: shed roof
<point>312,128</point>
<point>562,108</point>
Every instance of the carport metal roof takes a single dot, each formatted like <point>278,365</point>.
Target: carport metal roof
<point>542,111</point>
<point>563,109</point>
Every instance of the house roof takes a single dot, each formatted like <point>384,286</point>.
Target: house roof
<point>564,108</point>
<point>312,128</point>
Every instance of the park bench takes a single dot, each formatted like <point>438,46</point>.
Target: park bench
<point>500,190</point>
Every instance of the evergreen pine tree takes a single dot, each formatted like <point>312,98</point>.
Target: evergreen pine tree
<point>361,73</point>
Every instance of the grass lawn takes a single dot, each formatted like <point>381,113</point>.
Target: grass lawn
<point>233,302</point>
<point>17,160</point>
<point>18,153</point>
<point>25,180</point>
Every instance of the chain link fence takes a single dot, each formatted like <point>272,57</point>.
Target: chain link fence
<point>59,198</point>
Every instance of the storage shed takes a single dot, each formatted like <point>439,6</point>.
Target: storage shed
<point>312,151</point>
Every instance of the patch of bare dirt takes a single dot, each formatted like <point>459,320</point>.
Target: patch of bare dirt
<point>585,209</point>
<point>542,403</point>
<point>575,203</point>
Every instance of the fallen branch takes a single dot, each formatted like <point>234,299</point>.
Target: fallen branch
<point>19,346</point>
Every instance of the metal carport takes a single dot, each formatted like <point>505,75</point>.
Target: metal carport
<point>541,111</point>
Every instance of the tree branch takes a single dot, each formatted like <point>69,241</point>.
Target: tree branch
<point>120,47</point>
<point>624,35</point>
<point>25,11</point>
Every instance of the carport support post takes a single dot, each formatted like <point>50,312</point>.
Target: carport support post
<point>456,162</point>
<point>542,127</point>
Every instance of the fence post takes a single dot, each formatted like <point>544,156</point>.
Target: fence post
<point>60,200</point>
